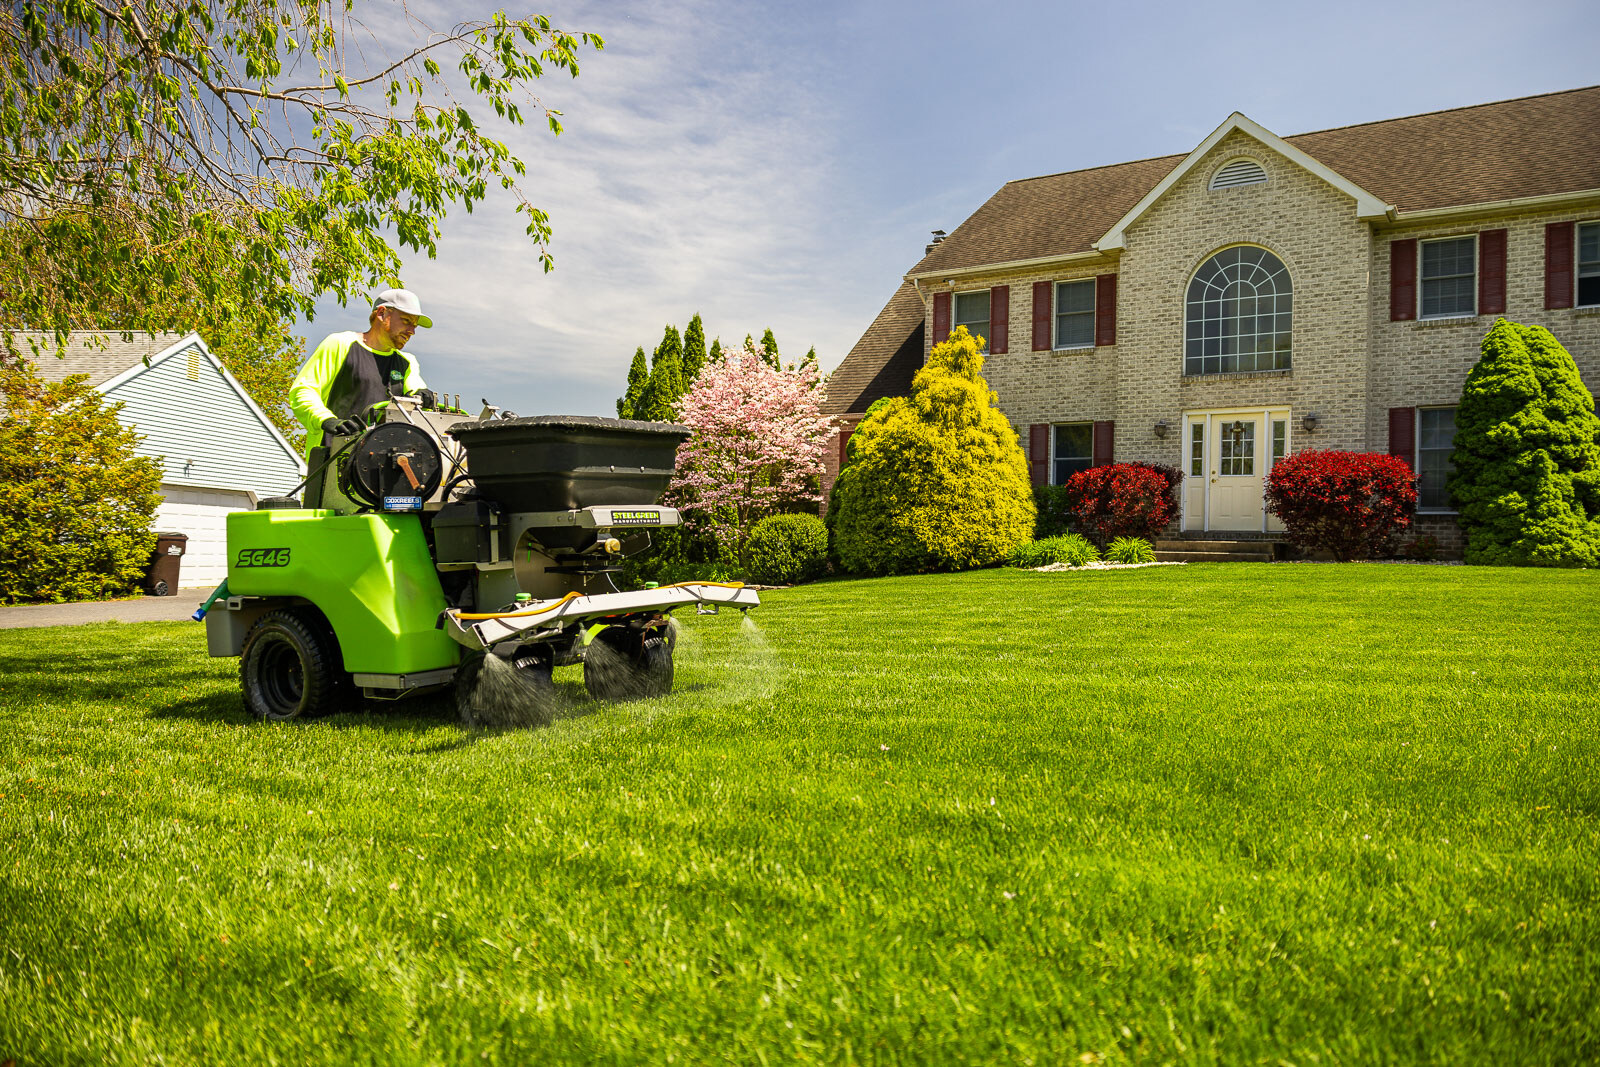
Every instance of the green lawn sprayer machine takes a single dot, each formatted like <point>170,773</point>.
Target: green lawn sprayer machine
<point>434,550</point>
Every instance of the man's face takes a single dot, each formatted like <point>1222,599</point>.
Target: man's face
<point>399,325</point>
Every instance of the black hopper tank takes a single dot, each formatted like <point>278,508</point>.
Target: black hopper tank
<point>566,462</point>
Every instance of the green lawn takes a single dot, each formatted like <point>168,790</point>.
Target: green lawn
<point>1249,813</point>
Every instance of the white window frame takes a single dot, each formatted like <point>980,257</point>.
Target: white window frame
<point>1053,457</point>
<point>1055,314</point>
<point>1416,454</point>
<point>1577,263</point>
<point>955,301</point>
<point>1477,270</point>
<point>1187,285</point>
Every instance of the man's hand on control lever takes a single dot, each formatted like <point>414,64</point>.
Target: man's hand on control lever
<point>430,399</point>
<point>342,427</point>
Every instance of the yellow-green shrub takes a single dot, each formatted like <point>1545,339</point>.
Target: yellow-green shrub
<point>937,480</point>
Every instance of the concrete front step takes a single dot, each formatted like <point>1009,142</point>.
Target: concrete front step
<point>1196,551</point>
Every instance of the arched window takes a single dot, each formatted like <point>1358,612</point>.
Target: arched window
<point>1239,313</point>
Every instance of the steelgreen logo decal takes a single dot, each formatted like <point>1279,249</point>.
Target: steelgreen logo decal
<point>262,557</point>
<point>636,518</point>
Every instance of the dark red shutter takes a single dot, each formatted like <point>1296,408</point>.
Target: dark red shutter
<point>1492,272</point>
<point>1039,452</point>
<point>941,318</point>
<point>1105,310</point>
<point>1000,320</point>
<point>1403,434</point>
<point>1104,441</point>
<point>1403,280</point>
<point>1041,316</point>
<point>1557,265</point>
<point>844,441</point>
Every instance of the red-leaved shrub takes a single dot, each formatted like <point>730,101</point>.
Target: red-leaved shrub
<point>1122,500</point>
<point>1350,503</point>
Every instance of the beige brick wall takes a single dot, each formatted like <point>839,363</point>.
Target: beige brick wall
<point>1350,364</point>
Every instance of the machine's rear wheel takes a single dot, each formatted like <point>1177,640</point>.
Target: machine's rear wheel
<point>291,667</point>
<point>627,664</point>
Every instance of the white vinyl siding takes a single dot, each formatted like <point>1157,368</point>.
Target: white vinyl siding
<point>1449,278</point>
<point>202,430</point>
<point>1075,314</point>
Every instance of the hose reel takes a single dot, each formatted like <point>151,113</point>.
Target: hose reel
<point>393,467</point>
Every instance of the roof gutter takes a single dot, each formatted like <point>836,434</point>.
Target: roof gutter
<point>950,273</point>
<point>1548,200</point>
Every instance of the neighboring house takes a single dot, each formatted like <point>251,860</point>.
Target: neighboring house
<point>1261,295</point>
<point>219,452</point>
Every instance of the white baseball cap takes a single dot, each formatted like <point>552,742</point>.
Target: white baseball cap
<point>403,300</point>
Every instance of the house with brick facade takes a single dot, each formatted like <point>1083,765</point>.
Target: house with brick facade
<point>1261,294</point>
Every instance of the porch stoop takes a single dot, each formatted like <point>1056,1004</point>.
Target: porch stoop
<point>1258,549</point>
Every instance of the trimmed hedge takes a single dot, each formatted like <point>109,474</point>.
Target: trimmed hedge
<point>1351,504</point>
<point>787,548</point>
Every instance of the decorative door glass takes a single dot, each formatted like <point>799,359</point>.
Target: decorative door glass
<point>1237,451</point>
<point>1197,449</point>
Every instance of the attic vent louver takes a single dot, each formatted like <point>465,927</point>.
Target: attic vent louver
<point>1239,172</point>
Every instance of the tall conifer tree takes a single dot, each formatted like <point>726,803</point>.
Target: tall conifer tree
<point>665,386</point>
<point>770,343</point>
<point>638,374</point>
<point>715,355</point>
<point>694,350</point>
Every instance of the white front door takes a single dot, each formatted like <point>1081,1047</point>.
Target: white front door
<point>1227,456</point>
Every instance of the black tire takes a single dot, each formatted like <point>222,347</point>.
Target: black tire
<point>629,664</point>
<point>291,667</point>
<point>526,696</point>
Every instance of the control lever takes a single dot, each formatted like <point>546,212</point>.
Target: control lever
<point>403,461</point>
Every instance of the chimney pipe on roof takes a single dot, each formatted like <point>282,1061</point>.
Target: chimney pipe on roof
<point>938,235</point>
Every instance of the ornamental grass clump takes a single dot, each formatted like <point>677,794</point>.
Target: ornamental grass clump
<point>1349,504</point>
<point>1527,462</point>
<point>1130,550</point>
<point>937,481</point>
<point>1070,549</point>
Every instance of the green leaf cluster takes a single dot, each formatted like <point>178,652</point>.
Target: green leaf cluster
<point>75,502</point>
<point>1130,550</point>
<point>787,548</point>
<point>938,480</point>
<point>279,132</point>
<point>1527,454</point>
<point>1072,549</point>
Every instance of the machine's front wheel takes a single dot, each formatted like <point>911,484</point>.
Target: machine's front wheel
<point>627,664</point>
<point>290,667</point>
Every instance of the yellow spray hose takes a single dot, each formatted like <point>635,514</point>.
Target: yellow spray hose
<point>476,617</point>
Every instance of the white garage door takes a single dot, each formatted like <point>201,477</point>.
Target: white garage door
<point>202,514</point>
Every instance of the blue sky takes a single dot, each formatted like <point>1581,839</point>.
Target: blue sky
<point>781,164</point>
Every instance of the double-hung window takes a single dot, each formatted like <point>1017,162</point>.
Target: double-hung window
<point>1074,450</point>
<point>1449,277</point>
<point>1075,314</point>
<point>1589,264</point>
<point>972,311</point>
<point>1436,435</point>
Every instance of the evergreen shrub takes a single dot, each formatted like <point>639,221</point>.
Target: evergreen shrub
<point>76,504</point>
<point>1071,549</point>
<point>787,548</point>
<point>938,481</point>
<point>1123,500</point>
<point>1053,506</point>
<point>1527,462</point>
<point>1351,504</point>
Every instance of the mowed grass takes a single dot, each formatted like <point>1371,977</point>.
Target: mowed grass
<point>1239,814</point>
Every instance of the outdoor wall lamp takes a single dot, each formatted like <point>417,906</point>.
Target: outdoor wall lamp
<point>1311,422</point>
<point>1161,427</point>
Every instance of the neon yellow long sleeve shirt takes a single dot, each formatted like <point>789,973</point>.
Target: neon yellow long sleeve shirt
<point>344,379</point>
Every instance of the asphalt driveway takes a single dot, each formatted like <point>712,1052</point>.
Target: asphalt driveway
<point>143,609</point>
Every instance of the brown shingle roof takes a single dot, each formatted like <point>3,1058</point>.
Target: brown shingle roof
<point>884,361</point>
<point>1533,146</point>
<point>101,364</point>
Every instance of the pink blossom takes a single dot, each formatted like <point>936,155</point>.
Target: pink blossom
<point>759,438</point>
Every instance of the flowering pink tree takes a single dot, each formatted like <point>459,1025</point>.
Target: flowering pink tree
<point>759,437</point>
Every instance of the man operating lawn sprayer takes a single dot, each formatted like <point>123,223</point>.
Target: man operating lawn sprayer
<point>350,373</point>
